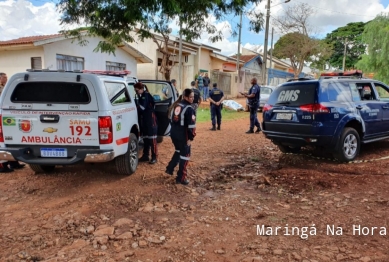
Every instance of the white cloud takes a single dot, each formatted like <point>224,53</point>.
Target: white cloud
<point>19,18</point>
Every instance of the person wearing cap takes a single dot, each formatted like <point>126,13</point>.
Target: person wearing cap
<point>216,97</point>
<point>197,96</point>
<point>148,119</point>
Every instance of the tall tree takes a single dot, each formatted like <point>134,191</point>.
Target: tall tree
<point>114,20</point>
<point>296,44</point>
<point>376,38</point>
<point>347,43</point>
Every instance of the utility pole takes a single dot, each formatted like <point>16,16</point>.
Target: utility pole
<point>264,60</point>
<point>271,47</point>
<point>180,57</point>
<point>238,55</point>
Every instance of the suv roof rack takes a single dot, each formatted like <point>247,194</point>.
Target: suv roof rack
<point>107,72</point>
<point>300,79</point>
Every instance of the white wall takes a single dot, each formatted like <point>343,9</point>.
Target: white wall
<point>93,60</point>
<point>12,62</point>
<point>149,48</point>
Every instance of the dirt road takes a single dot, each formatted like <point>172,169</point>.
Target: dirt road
<point>246,202</point>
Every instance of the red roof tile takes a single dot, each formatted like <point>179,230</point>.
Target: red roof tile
<point>28,39</point>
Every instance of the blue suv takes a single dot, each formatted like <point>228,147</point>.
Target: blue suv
<point>337,115</point>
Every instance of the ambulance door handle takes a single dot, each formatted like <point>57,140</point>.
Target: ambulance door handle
<point>49,118</point>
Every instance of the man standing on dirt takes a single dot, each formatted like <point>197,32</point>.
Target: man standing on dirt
<point>253,103</point>
<point>216,97</point>
<point>206,82</point>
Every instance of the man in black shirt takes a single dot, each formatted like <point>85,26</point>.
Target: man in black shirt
<point>197,96</point>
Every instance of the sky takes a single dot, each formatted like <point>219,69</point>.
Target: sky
<point>21,18</point>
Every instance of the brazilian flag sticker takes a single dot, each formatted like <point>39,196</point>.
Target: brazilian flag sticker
<point>9,121</point>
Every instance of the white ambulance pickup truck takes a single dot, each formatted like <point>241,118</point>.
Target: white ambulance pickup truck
<point>51,118</point>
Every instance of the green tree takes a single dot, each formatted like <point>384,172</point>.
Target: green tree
<point>296,44</point>
<point>376,38</point>
<point>321,59</point>
<point>349,37</point>
<point>114,20</point>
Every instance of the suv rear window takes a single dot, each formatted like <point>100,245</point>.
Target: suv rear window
<point>51,92</point>
<point>294,95</point>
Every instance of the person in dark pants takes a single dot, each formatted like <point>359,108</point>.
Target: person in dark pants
<point>216,97</point>
<point>206,82</point>
<point>253,103</point>
<point>183,131</point>
<point>148,123</point>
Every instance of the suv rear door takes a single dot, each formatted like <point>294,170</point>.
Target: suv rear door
<point>292,103</point>
<point>52,114</point>
<point>164,95</point>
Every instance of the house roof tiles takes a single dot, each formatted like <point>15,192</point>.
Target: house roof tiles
<point>28,39</point>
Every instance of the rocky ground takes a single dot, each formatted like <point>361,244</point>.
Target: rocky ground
<point>246,202</point>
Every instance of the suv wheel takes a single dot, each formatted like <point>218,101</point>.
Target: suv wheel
<point>289,149</point>
<point>126,164</point>
<point>349,145</point>
<point>42,168</point>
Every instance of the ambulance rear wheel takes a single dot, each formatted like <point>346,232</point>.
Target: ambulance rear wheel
<point>126,164</point>
<point>42,168</point>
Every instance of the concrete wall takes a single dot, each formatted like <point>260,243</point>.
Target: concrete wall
<point>12,62</point>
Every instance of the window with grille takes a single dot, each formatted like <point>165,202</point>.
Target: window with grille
<point>114,66</point>
<point>70,63</point>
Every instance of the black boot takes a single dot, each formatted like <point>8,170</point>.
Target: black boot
<point>218,127</point>
<point>153,160</point>
<point>144,158</point>
<point>213,128</point>
<point>250,131</point>
<point>258,130</point>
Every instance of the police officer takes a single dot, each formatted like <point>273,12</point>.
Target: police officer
<point>216,97</point>
<point>253,103</point>
<point>183,131</point>
<point>148,123</point>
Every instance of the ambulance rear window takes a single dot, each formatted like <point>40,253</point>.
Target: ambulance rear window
<point>51,92</point>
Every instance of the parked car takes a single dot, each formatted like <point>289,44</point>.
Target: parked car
<point>336,115</point>
<point>51,118</point>
<point>264,96</point>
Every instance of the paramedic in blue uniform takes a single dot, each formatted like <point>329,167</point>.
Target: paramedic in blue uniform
<point>148,123</point>
<point>216,97</point>
<point>183,131</point>
<point>253,103</point>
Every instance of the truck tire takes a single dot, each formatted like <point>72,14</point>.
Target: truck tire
<point>126,164</point>
<point>348,145</point>
<point>289,149</point>
<point>42,168</point>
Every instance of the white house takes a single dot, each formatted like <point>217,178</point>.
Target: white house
<point>56,52</point>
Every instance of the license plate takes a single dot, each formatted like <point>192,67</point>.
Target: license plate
<point>284,116</point>
<point>54,152</point>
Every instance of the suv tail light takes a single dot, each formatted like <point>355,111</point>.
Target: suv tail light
<point>1,130</point>
<point>105,130</point>
<point>314,108</point>
<point>266,107</point>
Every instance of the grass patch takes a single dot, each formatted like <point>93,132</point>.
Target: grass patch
<point>204,115</point>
